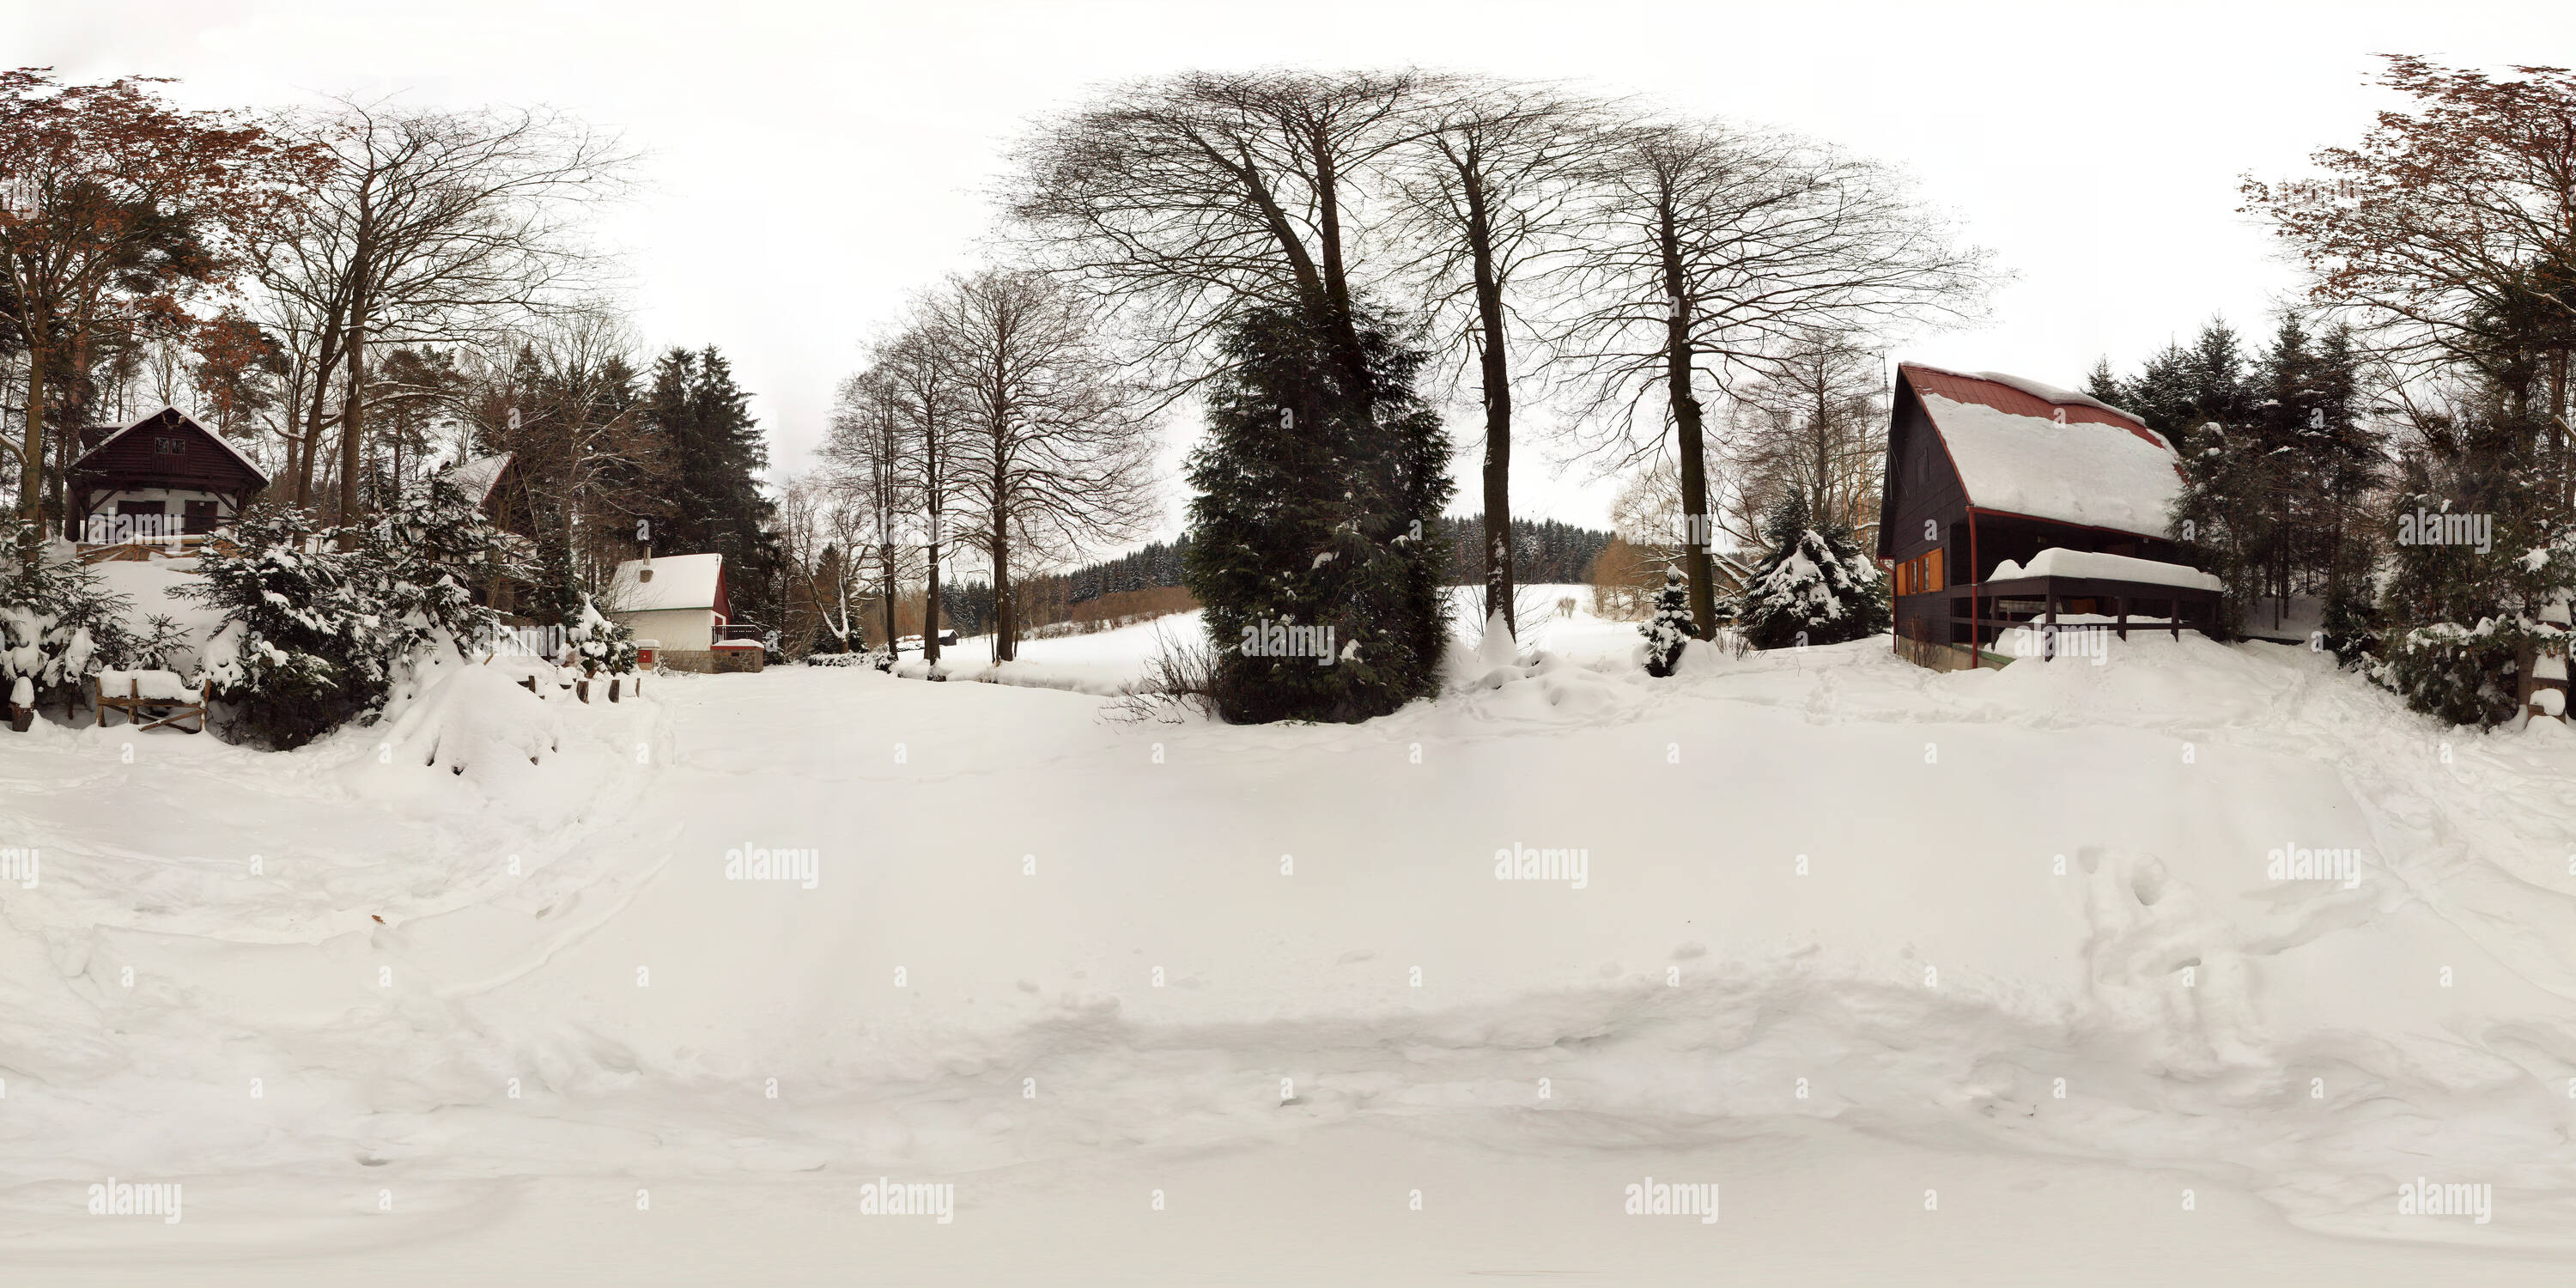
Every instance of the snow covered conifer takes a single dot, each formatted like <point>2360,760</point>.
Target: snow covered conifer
<point>294,654</point>
<point>1815,587</point>
<point>315,635</point>
<point>1669,630</point>
<point>597,645</point>
<point>59,623</point>
<point>1314,539</point>
<point>2479,550</point>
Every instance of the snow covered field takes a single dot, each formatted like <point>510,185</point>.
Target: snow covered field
<point>1984,977</point>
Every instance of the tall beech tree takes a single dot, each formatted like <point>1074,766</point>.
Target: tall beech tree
<point>1219,207</point>
<point>1488,183</point>
<point>1053,453</point>
<point>920,368</point>
<point>1196,197</point>
<point>115,207</point>
<point>869,454</point>
<point>425,227</point>
<point>1712,247</point>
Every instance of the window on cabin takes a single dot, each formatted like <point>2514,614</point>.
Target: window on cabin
<point>1919,575</point>
<point>198,519</point>
<point>169,445</point>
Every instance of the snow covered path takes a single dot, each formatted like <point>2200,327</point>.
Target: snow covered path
<point>1820,952</point>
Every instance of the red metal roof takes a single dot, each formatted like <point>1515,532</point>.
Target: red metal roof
<point>1961,387</point>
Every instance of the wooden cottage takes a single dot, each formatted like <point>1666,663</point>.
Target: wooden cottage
<point>502,497</point>
<point>2010,504</point>
<point>164,475</point>
<point>678,602</point>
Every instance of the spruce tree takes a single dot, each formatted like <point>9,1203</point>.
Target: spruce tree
<point>709,497</point>
<point>1317,510</point>
<point>1668,632</point>
<point>319,624</point>
<point>59,621</point>
<point>1815,587</point>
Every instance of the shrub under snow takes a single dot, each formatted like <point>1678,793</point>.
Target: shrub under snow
<point>474,721</point>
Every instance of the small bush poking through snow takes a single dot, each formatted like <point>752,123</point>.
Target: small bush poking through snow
<point>473,721</point>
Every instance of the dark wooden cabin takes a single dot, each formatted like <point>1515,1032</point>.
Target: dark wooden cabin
<point>501,494</point>
<point>1985,469</point>
<point>164,474</point>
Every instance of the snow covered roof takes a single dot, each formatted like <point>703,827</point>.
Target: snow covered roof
<point>665,581</point>
<point>2049,394</point>
<point>475,477</point>
<point>211,435</point>
<point>2057,561</point>
<point>2025,448</point>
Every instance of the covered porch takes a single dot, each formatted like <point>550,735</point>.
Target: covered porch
<point>1961,626</point>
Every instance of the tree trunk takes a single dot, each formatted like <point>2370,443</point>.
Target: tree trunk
<point>1006,645</point>
<point>1494,363</point>
<point>352,422</point>
<point>887,551</point>
<point>324,357</point>
<point>930,598</point>
<point>67,434</point>
<point>31,461</point>
<point>1686,425</point>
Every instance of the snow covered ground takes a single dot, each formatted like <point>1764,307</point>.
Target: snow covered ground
<point>1977,978</point>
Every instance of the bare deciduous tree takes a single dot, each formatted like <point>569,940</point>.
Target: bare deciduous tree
<point>1488,187</point>
<point>1055,456</point>
<point>819,530</point>
<point>584,454</point>
<point>919,366</point>
<point>1815,424</point>
<point>869,454</point>
<point>1195,196</point>
<point>1710,248</point>
<point>428,226</point>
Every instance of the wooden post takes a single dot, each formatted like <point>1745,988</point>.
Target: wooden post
<point>613,682</point>
<point>1976,618</point>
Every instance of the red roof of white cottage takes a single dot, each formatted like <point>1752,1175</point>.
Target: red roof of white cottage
<point>2022,447</point>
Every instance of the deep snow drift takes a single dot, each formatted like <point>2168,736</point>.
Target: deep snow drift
<point>1993,972</point>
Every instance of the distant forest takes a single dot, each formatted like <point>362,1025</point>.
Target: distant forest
<point>1543,551</point>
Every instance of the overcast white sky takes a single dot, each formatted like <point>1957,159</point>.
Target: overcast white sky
<point>810,164</point>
